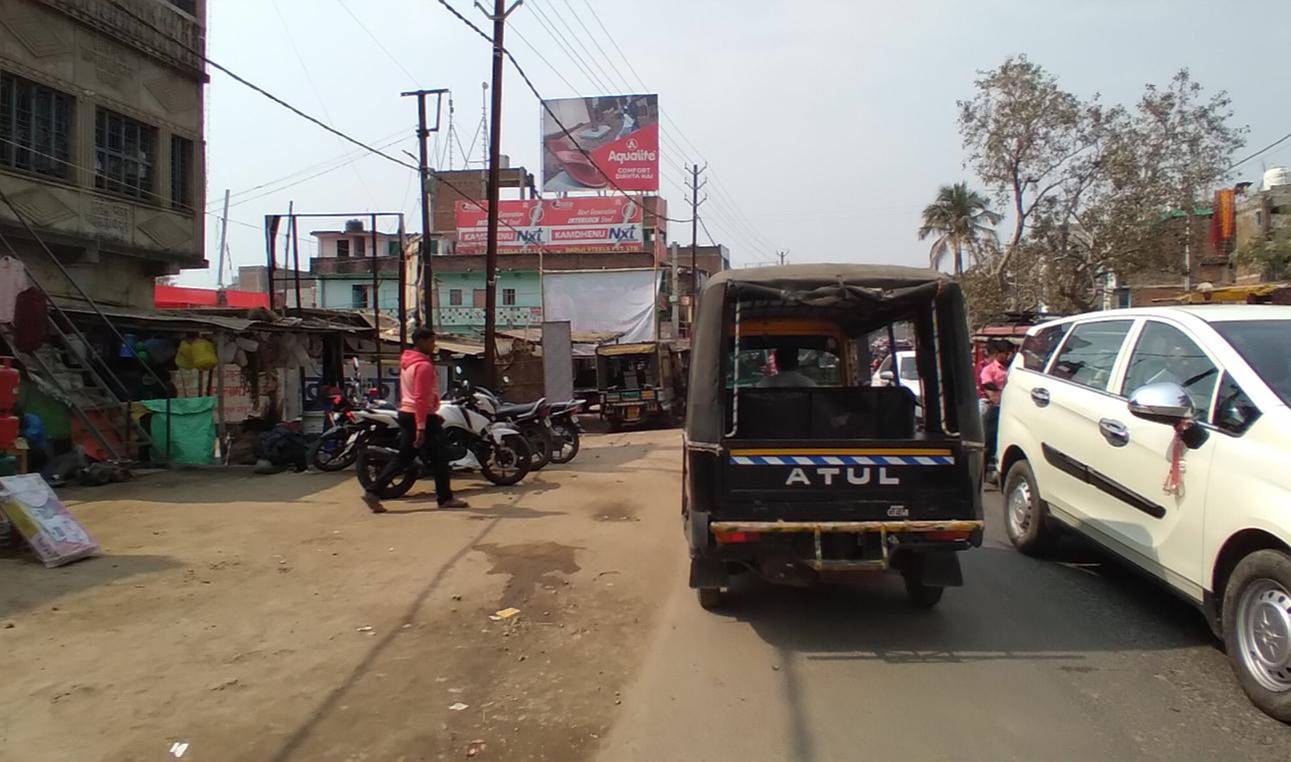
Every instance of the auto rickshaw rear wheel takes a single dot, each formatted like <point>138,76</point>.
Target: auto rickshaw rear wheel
<point>922,595</point>
<point>709,597</point>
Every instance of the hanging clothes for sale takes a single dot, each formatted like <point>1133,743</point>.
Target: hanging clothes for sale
<point>30,320</point>
<point>13,281</point>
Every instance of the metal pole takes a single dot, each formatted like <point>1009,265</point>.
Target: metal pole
<point>694,243</point>
<point>495,144</point>
<point>427,177</point>
<point>224,232</point>
<point>271,251</point>
<point>403,287</point>
<point>295,257</point>
<point>673,253</point>
<point>376,298</point>
<point>219,391</point>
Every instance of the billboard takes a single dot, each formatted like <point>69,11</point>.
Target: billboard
<point>581,224</point>
<point>619,132</point>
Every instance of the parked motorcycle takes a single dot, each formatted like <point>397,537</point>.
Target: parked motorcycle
<point>532,420</point>
<point>565,430</point>
<point>337,447</point>
<point>472,439</point>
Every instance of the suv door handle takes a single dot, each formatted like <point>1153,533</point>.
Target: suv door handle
<point>1040,396</point>
<point>1114,432</point>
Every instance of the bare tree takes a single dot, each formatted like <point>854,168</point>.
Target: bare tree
<point>1089,184</point>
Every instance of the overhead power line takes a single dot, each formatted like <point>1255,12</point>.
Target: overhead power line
<point>524,76</point>
<point>1263,150</point>
<point>729,207</point>
<point>315,120</point>
<point>376,40</point>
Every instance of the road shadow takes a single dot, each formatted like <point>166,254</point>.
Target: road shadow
<point>610,457</point>
<point>1012,608</point>
<point>29,585</point>
<point>214,485</point>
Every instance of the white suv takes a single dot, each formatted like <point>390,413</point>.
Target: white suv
<point>1164,435</point>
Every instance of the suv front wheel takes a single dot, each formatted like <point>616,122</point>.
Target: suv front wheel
<point>1025,515</point>
<point>1257,629</point>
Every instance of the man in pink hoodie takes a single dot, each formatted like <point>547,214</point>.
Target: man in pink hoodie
<point>421,428</point>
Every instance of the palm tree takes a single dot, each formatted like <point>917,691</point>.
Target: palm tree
<point>960,218</point>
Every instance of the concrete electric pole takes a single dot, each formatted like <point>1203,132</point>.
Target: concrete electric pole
<point>695,202</point>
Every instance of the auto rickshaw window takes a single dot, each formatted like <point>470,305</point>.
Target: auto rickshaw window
<point>809,361</point>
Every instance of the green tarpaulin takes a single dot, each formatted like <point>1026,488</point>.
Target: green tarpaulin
<point>192,429</point>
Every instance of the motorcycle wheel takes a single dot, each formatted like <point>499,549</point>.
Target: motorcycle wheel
<point>371,461</point>
<point>507,463</point>
<point>566,444</point>
<point>541,445</point>
<point>330,453</point>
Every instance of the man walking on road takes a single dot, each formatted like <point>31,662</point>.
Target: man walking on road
<point>993,376</point>
<point>420,427</point>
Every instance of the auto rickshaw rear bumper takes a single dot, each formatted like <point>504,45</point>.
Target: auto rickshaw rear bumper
<point>777,548</point>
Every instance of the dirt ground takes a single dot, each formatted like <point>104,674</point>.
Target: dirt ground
<point>273,618</point>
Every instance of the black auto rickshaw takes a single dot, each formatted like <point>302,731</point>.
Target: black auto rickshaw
<point>636,383</point>
<point>795,466</point>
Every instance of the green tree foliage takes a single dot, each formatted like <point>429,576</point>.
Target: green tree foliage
<point>1270,257</point>
<point>961,219</point>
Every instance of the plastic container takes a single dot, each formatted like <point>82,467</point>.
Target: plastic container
<point>8,431</point>
<point>9,379</point>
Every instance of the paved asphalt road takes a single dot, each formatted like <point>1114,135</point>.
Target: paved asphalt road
<point>1073,658</point>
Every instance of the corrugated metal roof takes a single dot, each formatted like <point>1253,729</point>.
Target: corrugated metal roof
<point>201,320</point>
<point>615,350</point>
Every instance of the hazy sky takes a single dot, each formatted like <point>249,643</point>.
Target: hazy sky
<point>827,125</point>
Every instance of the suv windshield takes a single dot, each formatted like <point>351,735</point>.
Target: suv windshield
<point>1262,343</point>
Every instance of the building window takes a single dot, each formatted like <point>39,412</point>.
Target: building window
<point>181,172</point>
<point>35,127</point>
<point>358,297</point>
<point>455,297</point>
<point>392,248</point>
<point>124,154</point>
<point>508,297</point>
<point>343,247</point>
<point>359,245</point>
<point>479,298</point>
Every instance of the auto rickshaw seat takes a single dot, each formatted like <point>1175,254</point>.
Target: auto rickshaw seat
<point>857,412</point>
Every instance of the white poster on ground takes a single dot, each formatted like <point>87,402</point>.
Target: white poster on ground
<point>613,302</point>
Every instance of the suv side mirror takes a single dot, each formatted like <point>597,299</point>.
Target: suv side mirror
<point>886,375</point>
<point>1165,402</point>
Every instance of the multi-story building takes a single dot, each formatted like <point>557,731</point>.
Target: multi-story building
<point>101,142</point>
<point>459,277</point>
<point>343,268</point>
<point>1261,214</point>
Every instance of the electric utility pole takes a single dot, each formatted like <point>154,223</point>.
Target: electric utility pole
<point>695,201</point>
<point>499,19</point>
<point>783,255</point>
<point>423,168</point>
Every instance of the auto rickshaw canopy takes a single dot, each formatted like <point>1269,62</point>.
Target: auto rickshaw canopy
<point>857,298</point>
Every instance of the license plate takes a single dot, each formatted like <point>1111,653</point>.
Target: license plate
<point>632,413</point>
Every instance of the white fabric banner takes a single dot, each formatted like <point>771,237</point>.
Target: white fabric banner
<point>619,302</point>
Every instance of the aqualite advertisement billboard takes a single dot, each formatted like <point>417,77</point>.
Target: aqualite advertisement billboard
<point>602,142</point>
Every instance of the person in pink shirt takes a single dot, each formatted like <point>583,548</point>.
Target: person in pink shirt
<point>421,428</point>
<point>992,378</point>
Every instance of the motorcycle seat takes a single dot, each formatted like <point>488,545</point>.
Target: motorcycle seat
<point>523,410</point>
<point>382,405</point>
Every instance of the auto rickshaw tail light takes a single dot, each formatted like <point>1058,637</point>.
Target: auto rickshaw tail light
<point>730,538</point>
